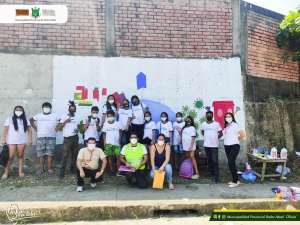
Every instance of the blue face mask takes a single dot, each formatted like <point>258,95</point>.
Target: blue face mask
<point>110,119</point>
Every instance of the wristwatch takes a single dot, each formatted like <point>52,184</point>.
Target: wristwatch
<point>101,171</point>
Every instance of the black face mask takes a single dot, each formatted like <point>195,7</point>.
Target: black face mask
<point>209,118</point>
<point>71,112</point>
<point>125,105</point>
<point>135,103</point>
<point>187,123</point>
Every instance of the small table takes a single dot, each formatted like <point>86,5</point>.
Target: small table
<point>265,161</point>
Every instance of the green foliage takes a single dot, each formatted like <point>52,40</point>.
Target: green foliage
<point>289,35</point>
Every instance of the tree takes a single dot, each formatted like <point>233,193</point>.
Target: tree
<point>289,35</point>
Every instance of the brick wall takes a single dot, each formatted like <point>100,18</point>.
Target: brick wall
<point>173,28</point>
<point>264,57</point>
<point>83,33</point>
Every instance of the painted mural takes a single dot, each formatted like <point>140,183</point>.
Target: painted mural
<point>190,86</point>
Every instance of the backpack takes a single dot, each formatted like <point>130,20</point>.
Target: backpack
<point>186,169</point>
<point>4,156</point>
<point>89,119</point>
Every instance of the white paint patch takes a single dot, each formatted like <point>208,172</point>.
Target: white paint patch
<point>28,91</point>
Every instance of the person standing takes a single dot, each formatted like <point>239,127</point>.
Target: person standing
<point>165,127</point>
<point>137,122</point>
<point>70,124</point>
<point>125,120</point>
<point>91,126</point>
<point>177,141</point>
<point>88,162</point>
<point>16,134</point>
<point>232,135</point>
<point>212,132</point>
<point>46,136</point>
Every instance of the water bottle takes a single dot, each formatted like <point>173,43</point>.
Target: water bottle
<point>248,168</point>
<point>262,151</point>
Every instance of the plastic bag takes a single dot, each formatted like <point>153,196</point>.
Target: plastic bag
<point>286,170</point>
<point>4,156</point>
<point>249,176</point>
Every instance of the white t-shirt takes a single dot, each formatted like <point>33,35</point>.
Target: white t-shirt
<point>71,128</point>
<point>211,131</point>
<point>13,136</point>
<point>124,114</point>
<point>187,135</point>
<point>134,149</point>
<point>177,137</point>
<point>112,131</point>
<point>104,111</point>
<point>91,131</point>
<point>46,124</point>
<point>138,112</point>
<point>231,134</point>
<point>90,159</point>
<point>164,128</point>
<point>149,127</point>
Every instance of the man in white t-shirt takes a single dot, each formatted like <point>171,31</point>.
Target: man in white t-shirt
<point>91,126</point>
<point>46,129</point>
<point>70,124</point>
<point>212,132</point>
<point>88,162</point>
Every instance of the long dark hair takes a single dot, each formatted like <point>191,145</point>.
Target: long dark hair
<point>150,116</point>
<point>192,123</point>
<point>233,120</point>
<point>108,105</point>
<point>166,116</point>
<point>22,117</point>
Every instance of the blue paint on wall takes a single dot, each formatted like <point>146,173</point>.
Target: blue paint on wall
<point>141,81</point>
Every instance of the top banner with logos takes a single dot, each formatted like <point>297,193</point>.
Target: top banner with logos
<point>33,14</point>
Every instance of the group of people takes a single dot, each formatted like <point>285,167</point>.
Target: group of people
<point>143,150</point>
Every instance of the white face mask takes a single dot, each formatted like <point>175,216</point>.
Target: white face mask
<point>179,119</point>
<point>163,118</point>
<point>147,118</point>
<point>160,143</point>
<point>111,101</point>
<point>91,146</point>
<point>95,115</point>
<point>18,113</point>
<point>229,120</point>
<point>133,141</point>
<point>110,119</point>
<point>46,110</point>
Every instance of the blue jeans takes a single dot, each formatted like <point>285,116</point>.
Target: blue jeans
<point>167,169</point>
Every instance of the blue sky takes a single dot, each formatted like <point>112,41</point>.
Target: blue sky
<point>280,6</point>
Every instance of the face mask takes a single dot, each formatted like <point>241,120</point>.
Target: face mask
<point>209,118</point>
<point>147,118</point>
<point>163,118</point>
<point>178,119</point>
<point>111,101</point>
<point>72,112</point>
<point>94,115</point>
<point>187,123</point>
<point>91,146</point>
<point>125,105</point>
<point>18,113</point>
<point>46,110</point>
<point>135,103</point>
<point>160,143</point>
<point>228,120</point>
<point>133,141</point>
<point>110,119</point>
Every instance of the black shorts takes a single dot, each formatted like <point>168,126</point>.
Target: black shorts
<point>146,141</point>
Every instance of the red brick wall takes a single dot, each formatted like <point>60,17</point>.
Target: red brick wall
<point>83,33</point>
<point>264,57</point>
<point>173,28</point>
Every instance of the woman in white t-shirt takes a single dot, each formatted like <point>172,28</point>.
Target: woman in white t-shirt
<point>125,115</point>
<point>110,105</point>
<point>165,127</point>
<point>188,134</point>
<point>177,140</point>
<point>137,122</point>
<point>232,135</point>
<point>149,134</point>
<point>16,134</point>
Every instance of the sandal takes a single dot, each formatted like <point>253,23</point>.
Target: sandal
<point>50,171</point>
<point>21,175</point>
<point>229,183</point>
<point>39,172</point>
<point>233,185</point>
<point>4,177</point>
<point>171,186</point>
<point>195,177</point>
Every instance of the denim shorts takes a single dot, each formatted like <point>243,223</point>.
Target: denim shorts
<point>45,146</point>
<point>178,149</point>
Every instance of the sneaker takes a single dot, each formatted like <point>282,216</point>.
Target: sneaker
<point>121,174</point>
<point>61,175</point>
<point>79,188</point>
<point>216,180</point>
<point>195,177</point>
<point>111,174</point>
<point>229,183</point>
<point>209,176</point>
<point>93,185</point>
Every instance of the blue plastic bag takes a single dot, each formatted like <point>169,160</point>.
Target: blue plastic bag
<point>249,176</point>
